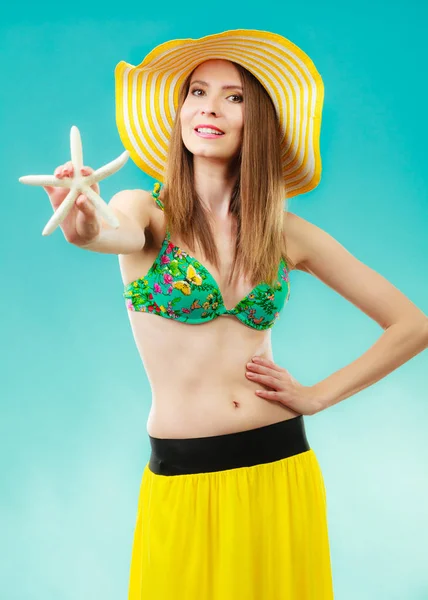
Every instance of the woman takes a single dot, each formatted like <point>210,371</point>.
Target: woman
<point>232,502</point>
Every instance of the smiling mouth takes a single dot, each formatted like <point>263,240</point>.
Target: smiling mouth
<point>206,132</point>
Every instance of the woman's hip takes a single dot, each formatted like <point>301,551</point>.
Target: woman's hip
<point>262,445</point>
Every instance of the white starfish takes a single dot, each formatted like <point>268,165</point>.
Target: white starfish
<point>78,184</point>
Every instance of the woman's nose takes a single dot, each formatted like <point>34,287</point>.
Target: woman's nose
<point>210,105</point>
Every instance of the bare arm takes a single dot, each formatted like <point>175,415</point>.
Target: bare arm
<point>405,326</point>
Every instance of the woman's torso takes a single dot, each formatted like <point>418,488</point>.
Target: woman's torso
<point>197,372</point>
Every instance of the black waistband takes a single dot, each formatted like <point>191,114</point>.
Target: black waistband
<point>228,451</point>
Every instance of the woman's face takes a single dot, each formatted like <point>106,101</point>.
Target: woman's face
<point>210,103</point>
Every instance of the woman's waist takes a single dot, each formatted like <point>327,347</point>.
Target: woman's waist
<point>209,386</point>
<point>209,411</point>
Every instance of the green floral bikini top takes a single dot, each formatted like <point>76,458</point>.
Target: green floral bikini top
<point>179,287</point>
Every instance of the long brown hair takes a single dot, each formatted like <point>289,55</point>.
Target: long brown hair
<point>258,196</point>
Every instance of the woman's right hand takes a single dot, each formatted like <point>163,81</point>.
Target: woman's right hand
<point>82,224</point>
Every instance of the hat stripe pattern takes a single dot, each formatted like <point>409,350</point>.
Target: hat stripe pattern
<point>147,98</point>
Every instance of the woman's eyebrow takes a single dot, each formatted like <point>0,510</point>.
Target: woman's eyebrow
<point>225,87</point>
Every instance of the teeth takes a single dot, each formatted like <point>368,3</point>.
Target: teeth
<point>207,130</point>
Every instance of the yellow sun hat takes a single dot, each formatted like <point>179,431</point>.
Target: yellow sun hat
<point>147,98</point>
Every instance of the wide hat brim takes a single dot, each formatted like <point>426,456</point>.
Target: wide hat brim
<point>147,98</point>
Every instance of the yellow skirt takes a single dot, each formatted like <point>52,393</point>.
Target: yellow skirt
<point>240,516</point>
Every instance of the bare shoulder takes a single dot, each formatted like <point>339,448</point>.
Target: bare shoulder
<point>136,204</point>
<point>321,255</point>
<point>294,231</point>
<point>312,248</point>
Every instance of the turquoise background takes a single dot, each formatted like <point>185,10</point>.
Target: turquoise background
<point>75,396</point>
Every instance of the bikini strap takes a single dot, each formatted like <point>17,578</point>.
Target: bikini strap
<point>155,194</point>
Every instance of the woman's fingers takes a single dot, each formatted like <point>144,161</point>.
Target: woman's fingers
<point>88,223</point>
<point>88,171</point>
<point>67,170</point>
<point>85,205</point>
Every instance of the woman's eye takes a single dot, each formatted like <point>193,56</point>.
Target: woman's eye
<point>237,96</point>
<point>240,98</point>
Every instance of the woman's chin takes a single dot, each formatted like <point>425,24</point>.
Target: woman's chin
<point>212,154</point>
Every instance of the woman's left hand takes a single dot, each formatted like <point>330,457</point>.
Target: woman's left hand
<point>284,388</point>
